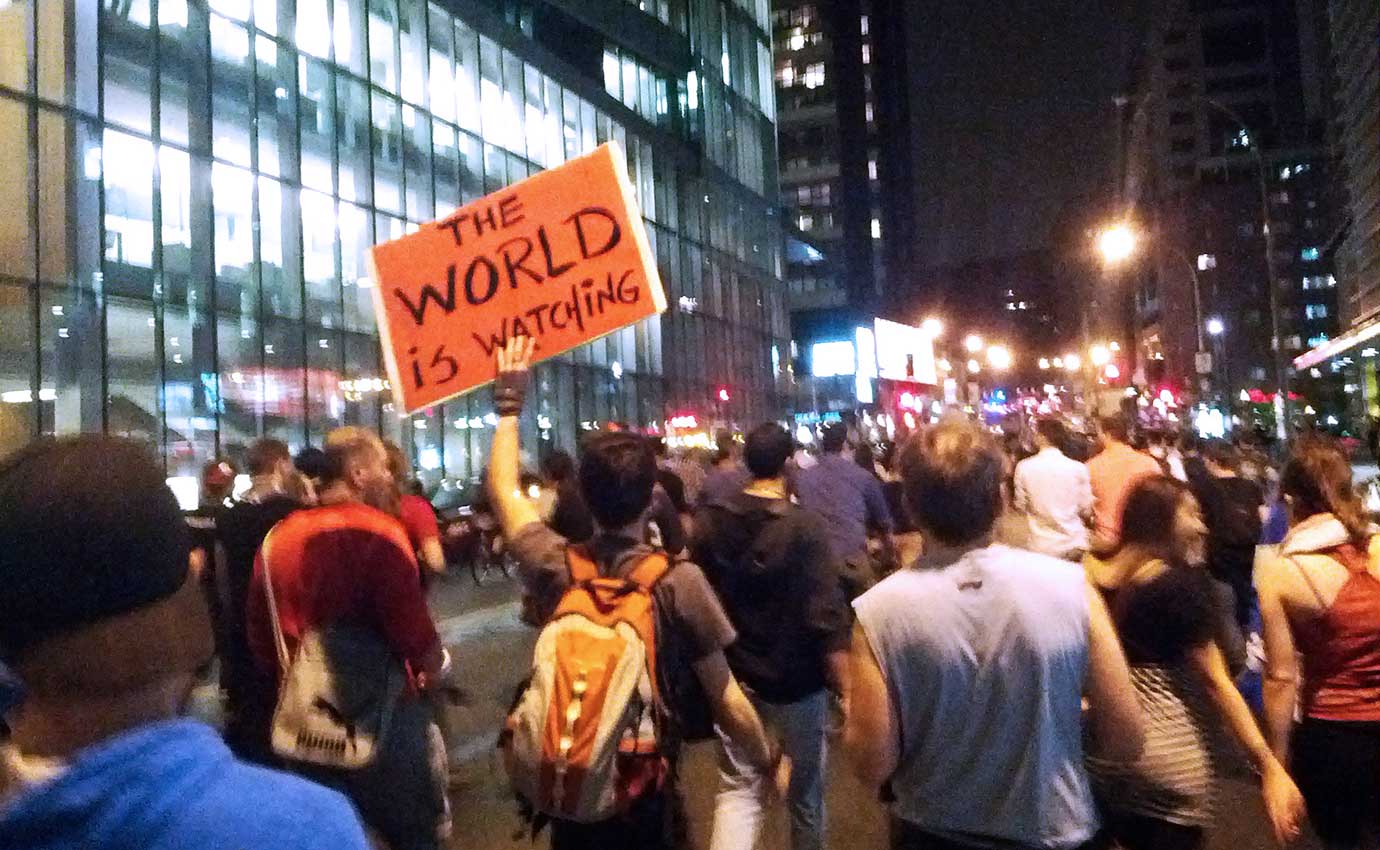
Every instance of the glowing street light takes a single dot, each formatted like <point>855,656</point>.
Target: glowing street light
<point>1116,243</point>
<point>973,343</point>
<point>974,367</point>
<point>1112,372</point>
<point>1044,362</point>
<point>999,358</point>
<point>933,327</point>
<point>1100,355</point>
<point>1215,326</point>
<point>1058,363</point>
<point>1072,362</point>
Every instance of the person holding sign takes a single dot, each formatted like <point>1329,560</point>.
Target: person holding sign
<point>617,473</point>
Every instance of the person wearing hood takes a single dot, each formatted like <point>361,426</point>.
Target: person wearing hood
<point>104,626</point>
<point>1319,594</point>
<point>771,564</point>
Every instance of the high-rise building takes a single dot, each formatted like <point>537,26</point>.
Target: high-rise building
<point>844,130</point>
<point>1226,135</point>
<point>1354,354</point>
<point>1356,46</point>
<point>191,187</point>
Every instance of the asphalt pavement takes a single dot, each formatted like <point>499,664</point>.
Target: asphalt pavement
<point>493,649</point>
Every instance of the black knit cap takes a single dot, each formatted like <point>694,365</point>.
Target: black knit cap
<point>88,530</point>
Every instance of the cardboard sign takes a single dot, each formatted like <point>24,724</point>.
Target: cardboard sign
<point>561,257</point>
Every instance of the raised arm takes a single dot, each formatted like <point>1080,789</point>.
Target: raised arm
<point>513,511</point>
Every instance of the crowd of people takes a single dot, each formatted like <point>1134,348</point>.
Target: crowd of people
<point>1036,644</point>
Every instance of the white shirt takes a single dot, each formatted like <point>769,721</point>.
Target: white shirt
<point>1054,493</point>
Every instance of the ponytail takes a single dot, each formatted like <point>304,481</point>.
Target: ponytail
<point>1317,479</point>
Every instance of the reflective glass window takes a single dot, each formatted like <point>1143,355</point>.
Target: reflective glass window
<point>318,259</point>
<point>230,92</point>
<point>17,400</point>
<point>388,142</point>
<point>383,43</point>
<point>467,78</point>
<point>279,247</point>
<point>417,164</point>
<point>413,41</point>
<point>356,175</point>
<point>349,27</point>
<point>313,28</point>
<point>355,241</point>
<point>441,65</point>
<point>316,106</point>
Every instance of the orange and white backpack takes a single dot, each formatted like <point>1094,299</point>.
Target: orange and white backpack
<point>582,742</point>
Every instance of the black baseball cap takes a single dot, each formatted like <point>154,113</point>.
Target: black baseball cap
<point>95,582</point>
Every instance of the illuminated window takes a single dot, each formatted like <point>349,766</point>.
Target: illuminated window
<point>797,40</point>
<point>876,228</point>
<point>872,169</point>
<point>1315,311</point>
<point>814,75</point>
<point>806,222</point>
<point>1309,255</point>
<point>871,115</point>
<point>1207,262</point>
<point>864,25</point>
<point>867,54</point>
<point>785,75</point>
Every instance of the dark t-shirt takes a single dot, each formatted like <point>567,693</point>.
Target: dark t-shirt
<point>690,622</point>
<point>771,564</point>
<point>1162,619</point>
<point>249,691</point>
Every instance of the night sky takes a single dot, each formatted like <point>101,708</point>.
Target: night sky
<point>1014,118</point>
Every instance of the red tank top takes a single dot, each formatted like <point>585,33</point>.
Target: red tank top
<point>1341,646</point>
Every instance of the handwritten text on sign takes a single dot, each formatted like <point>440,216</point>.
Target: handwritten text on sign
<point>561,257</point>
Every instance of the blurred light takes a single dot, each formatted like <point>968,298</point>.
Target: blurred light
<point>1114,346</point>
<point>1072,362</point>
<point>617,369</point>
<point>1112,372</point>
<point>946,365</point>
<point>1166,396</point>
<point>1215,327</point>
<point>1044,363</point>
<point>1100,355</point>
<point>1308,410</point>
<point>933,327</point>
<point>1116,243</point>
<point>1245,396</point>
<point>1058,363</point>
<point>1331,420</point>
<point>973,343</point>
<point>999,358</point>
<point>723,394</point>
<point>974,367</point>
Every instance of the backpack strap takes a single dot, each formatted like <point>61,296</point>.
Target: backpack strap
<point>650,570</point>
<point>581,566</point>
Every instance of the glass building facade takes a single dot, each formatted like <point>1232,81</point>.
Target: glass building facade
<point>190,188</point>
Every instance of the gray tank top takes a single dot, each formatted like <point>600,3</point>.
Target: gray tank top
<point>985,661</point>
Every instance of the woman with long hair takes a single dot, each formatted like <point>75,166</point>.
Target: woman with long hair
<point>1319,595</point>
<point>1171,623</point>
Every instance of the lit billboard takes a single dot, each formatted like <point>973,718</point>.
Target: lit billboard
<point>904,353</point>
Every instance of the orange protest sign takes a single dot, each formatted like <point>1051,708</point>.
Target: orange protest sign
<point>561,257</point>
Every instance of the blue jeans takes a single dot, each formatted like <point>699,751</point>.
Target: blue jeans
<point>739,808</point>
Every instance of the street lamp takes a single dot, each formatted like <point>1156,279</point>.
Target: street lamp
<point>1117,243</point>
<point>1072,362</point>
<point>1100,355</point>
<point>1215,326</point>
<point>933,327</point>
<point>999,358</point>
<point>1044,362</point>
<point>973,343</point>
<point>974,367</point>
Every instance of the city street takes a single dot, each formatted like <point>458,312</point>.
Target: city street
<point>491,649</point>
